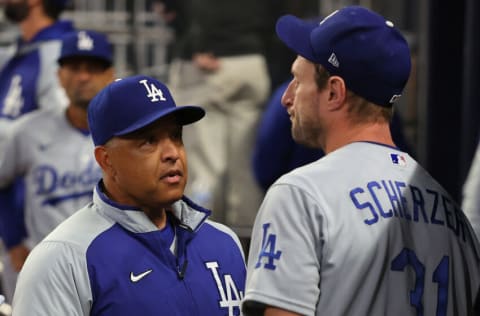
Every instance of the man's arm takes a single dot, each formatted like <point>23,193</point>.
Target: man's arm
<point>53,281</point>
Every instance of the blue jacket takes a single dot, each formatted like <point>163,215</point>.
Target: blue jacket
<point>29,80</point>
<point>110,259</point>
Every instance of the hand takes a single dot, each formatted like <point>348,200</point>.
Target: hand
<point>18,254</point>
<point>206,61</point>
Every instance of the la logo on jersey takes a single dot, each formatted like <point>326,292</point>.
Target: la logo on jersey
<point>14,100</point>
<point>154,93</point>
<point>230,296</point>
<point>85,42</point>
<point>268,250</point>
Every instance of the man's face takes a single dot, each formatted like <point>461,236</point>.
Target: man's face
<point>16,10</point>
<point>148,168</point>
<point>303,100</point>
<point>83,78</point>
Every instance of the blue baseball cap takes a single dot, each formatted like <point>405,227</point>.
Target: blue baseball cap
<point>86,43</point>
<point>357,44</point>
<point>128,104</point>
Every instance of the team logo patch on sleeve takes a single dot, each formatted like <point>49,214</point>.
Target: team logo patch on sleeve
<point>268,253</point>
<point>398,159</point>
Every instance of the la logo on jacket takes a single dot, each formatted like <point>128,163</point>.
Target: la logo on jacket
<point>230,296</point>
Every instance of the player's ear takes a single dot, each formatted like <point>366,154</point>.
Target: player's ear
<point>102,158</point>
<point>337,92</point>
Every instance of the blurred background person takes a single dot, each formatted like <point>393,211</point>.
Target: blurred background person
<point>28,81</point>
<point>218,61</point>
<point>51,148</point>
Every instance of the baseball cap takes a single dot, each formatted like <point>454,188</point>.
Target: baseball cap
<point>357,44</point>
<point>128,104</point>
<point>86,43</point>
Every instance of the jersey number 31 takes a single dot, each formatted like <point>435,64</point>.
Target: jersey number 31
<point>440,276</point>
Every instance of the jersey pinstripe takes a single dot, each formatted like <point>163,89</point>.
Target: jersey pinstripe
<point>363,231</point>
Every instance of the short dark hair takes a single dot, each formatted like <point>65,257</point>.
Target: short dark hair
<point>52,8</point>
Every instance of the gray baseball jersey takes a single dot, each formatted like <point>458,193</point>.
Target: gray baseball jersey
<point>363,231</point>
<point>59,167</point>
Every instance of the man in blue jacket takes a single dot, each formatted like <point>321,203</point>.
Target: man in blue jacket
<point>141,247</point>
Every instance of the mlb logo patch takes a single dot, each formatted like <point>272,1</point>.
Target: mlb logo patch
<point>398,159</point>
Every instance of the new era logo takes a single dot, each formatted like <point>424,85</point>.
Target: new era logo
<point>333,60</point>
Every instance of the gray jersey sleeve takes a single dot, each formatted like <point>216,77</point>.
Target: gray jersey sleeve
<point>285,254</point>
<point>60,288</point>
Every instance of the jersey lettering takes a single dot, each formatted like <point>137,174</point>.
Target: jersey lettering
<point>418,203</point>
<point>14,100</point>
<point>395,199</point>
<point>154,93</point>
<point>440,275</point>
<point>48,180</point>
<point>268,249</point>
<point>230,296</point>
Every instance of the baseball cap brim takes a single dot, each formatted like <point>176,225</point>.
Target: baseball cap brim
<point>185,115</point>
<point>295,33</point>
<point>105,60</point>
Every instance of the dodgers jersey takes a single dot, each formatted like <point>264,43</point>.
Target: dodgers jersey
<point>59,169</point>
<point>363,231</point>
<point>110,259</point>
<point>28,80</point>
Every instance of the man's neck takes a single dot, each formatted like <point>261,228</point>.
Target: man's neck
<point>377,132</point>
<point>33,24</point>
<point>77,116</point>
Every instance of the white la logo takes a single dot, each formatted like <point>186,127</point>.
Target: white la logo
<point>14,101</point>
<point>85,42</point>
<point>154,93</point>
<point>233,297</point>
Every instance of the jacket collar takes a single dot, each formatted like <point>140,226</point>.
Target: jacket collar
<point>189,215</point>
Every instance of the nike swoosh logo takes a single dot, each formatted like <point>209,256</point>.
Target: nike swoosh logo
<point>136,278</point>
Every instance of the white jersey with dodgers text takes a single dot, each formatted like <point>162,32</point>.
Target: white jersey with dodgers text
<point>59,167</point>
<point>363,231</point>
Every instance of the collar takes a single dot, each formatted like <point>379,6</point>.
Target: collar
<point>188,215</point>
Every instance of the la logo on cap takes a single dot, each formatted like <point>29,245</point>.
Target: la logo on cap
<point>85,42</point>
<point>154,93</point>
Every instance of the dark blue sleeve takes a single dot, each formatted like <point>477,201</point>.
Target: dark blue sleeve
<point>12,224</point>
<point>275,152</point>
